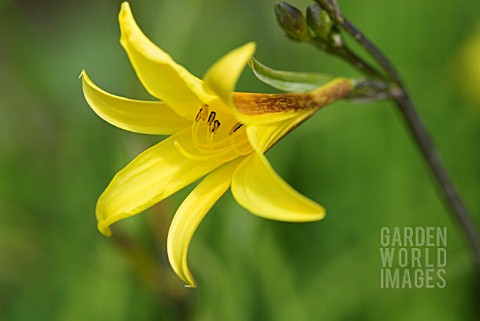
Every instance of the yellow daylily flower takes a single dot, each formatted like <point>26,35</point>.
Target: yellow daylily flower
<point>213,133</point>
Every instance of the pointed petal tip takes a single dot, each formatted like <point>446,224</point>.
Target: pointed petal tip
<point>188,278</point>
<point>247,51</point>
<point>138,116</point>
<point>260,190</point>
<point>191,285</point>
<point>250,47</point>
<point>86,81</point>
<point>161,76</point>
<point>320,215</point>
<point>222,76</point>
<point>83,75</point>
<point>191,213</point>
<point>124,8</point>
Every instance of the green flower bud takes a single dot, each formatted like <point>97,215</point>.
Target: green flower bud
<point>319,21</point>
<point>292,21</point>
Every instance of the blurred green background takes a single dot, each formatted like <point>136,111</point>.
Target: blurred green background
<point>56,157</point>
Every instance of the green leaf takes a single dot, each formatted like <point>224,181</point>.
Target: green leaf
<point>288,80</point>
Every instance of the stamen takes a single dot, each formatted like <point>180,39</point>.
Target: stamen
<point>205,112</point>
<point>203,145</point>
<point>216,124</point>
<point>210,142</point>
<point>186,154</point>
<point>209,136</point>
<point>202,114</point>
<point>211,117</point>
<point>199,115</point>
<point>236,149</point>
<point>238,146</point>
<point>213,146</point>
<point>234,128</point>
<point>197,118</point>
<point>195,139</point>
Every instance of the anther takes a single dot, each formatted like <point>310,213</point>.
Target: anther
<point>216,124</point>
<point>235,127</point>
<point>211,117</point>
<point>199,115</point>
<point>202,113</point>
<point>205,112</point>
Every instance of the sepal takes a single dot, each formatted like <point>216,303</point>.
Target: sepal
<point>288,81</point>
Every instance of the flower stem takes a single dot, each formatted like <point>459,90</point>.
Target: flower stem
<point>447,188</point>
<point>399,94</point>
<point>351,57</point>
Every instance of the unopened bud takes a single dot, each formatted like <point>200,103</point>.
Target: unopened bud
<point>319,21</point>
<point>292,21</point>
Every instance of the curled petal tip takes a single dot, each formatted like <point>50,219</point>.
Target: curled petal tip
<point>104,228</point>
<point>83,75</point>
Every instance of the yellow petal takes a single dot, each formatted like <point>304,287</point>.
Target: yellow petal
<point>191,213</point>
<point>222,77</point>
<point>257,187</point>
<point>146,117</point>
<point>152,176</point>
<point>263,137</point>
<point>161,76</point>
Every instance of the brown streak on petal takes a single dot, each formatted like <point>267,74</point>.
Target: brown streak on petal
<point>255,104</point>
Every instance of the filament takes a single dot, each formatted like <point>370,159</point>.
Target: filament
<point>213,143</point>
<point>186,154</point>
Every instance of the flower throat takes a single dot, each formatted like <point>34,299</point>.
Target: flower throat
<point>214,139</point>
